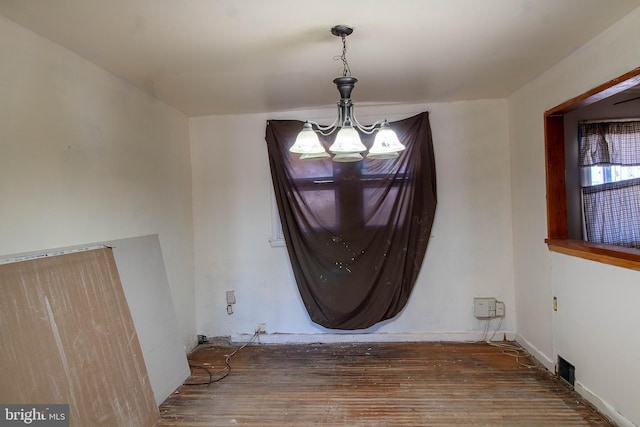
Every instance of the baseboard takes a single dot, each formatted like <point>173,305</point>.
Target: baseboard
<point>536,353</point>
<point>602,406</point>
<point>191,345</point>
<point>277,338</point>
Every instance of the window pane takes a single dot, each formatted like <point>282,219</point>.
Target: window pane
<point>378,206</point>
<point>309,168</point>
<point>597,175</point>
<point>321,205</point>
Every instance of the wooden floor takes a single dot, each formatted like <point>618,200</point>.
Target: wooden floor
<point>391,384</point>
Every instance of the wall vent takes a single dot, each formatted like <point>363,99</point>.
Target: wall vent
<point>566,371</point>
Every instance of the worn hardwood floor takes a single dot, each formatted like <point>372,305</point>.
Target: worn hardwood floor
<point>381,384</point>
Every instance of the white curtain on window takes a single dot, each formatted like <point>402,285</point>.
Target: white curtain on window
<point>610,143</point>
<point>612,213</point>
<point>611,210</point>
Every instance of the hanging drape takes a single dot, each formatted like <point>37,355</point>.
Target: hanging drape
<point>356,233</point>
<point>611,209</point>
<point>610,143</point>
<point>612,213</point>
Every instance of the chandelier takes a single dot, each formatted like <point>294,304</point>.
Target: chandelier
<point>347,146</point>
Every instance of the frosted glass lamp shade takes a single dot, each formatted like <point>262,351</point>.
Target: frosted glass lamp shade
<point>383,156</point>
<point>347,157</point>
<point>307,142</point>
<point>347,141</point>
<point>314,156</point>
<point>386,142</point>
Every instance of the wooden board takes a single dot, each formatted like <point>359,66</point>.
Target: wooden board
<point>67,337</point>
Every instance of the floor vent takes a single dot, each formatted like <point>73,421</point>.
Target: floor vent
<point>566,371</point>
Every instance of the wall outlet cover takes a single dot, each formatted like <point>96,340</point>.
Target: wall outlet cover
<point>231,297</point>
<point>484,307</point>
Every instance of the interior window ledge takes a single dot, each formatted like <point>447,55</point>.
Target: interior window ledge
<point>619,256</point>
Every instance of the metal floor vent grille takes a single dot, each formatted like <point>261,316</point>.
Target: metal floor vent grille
<point>566,371</point>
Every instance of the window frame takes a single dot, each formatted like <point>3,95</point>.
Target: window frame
<point>328,182</point>
<point>557,225</point>
<point>357,192</point>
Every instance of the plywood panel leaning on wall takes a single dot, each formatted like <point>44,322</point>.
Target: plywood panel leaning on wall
<point>146,287</point>
<point>67,337</point>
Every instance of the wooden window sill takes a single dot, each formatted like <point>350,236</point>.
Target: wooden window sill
<point>608,254</point>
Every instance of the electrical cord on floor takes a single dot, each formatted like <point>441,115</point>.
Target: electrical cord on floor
<point>222,374</point>
<point>509,349</point>
<point>514,351</point>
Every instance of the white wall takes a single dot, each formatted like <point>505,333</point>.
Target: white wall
<point>469,254</point>
<point>86,157</point>
<point>596,324</point>
<point>596,302</point>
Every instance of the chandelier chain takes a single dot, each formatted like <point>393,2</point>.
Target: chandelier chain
<point>346,71</point>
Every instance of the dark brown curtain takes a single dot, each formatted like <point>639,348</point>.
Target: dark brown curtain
<point>356,233</point>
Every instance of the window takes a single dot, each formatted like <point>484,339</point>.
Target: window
<point>342,207</point>
<point>598,175</point>
<point>609,155</point>
<point>365,203</point>
<point>558,227</point>
<point>356,233</point>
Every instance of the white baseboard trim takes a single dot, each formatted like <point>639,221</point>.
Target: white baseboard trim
<point>602,406</point>
<point>535,352</point>
<point>326,338</point>
<point>191,345</point>
<point>588,395</point>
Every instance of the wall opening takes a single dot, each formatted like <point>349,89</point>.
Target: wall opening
<point>559,238</point>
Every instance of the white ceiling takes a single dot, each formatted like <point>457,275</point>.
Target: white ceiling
<point>240,56</point>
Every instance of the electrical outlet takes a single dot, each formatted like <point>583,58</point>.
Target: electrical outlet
<point>261,328</point>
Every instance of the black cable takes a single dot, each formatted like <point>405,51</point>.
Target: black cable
<point>204,368</point>
<point>227,363</point>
